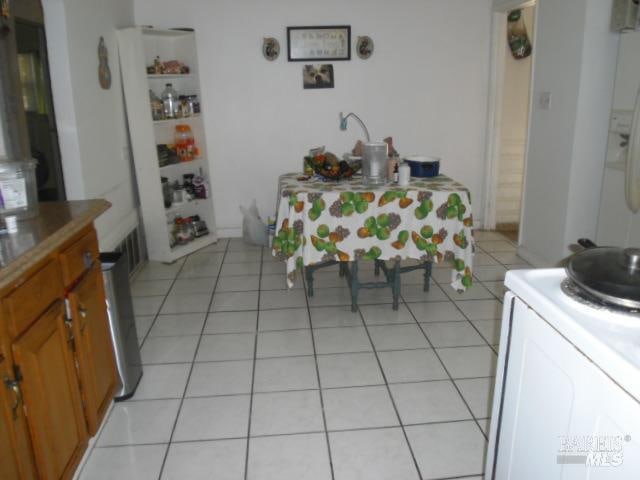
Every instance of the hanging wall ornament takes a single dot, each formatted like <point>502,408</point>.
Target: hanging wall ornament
<point>517,35</point>
<point>364,47</point>
<point>270,48</point>
<point>104,72</point>
<point>4,17</point>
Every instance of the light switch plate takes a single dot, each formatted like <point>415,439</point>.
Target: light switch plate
<point>544,100</point>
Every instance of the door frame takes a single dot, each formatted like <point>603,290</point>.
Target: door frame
<point>499,12</point>
<point>53,127</point>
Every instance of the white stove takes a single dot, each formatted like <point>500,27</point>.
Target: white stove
<point>568,374</point>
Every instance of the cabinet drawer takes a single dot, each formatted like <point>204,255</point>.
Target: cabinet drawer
<point>79,257</point>
<point>32,298</point>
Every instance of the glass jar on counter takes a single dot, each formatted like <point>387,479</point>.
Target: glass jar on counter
<point>170,102</point>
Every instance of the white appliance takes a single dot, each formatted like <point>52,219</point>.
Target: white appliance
<point>618,220</point>
<point>567,396</point>
<point>624,15</point>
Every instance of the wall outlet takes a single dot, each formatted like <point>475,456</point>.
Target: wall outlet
<point>544,100</point>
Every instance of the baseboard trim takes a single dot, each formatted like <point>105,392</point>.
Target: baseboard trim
<point>92,443</point>
<point>229,232</point>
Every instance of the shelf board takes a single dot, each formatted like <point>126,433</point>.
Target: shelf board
<point>160,32</point>
<point>170,76</point>
<point>192,246</point>
<point>176,120</point>
<point>178,207</point>
<point>168,167</point>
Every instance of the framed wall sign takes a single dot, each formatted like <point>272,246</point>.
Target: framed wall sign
<point>319,43</point>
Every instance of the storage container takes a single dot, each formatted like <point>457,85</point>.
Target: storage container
<point>18,188</point>
<point>374,163</point>
<point>185,143</point>
<point>423,166</point>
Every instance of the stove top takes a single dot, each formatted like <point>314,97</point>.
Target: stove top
<point>580,295</point>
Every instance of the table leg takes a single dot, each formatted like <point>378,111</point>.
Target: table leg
<point>395,287</point>
<point>354,285</point>
<point>308,273</point>
<point>342,269</point>
<point>427,275</point>
<point>376,270</point>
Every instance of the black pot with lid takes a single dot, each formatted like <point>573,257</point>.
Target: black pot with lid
<point>610,274</point>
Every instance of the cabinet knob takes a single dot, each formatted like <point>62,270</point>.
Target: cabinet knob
<point>87,258</point>
<point>82,311</point>
<point>14,386</point>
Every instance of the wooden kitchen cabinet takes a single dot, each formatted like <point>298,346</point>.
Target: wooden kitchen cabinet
<point>15,448</point>
<point>51,393</point>
<point>92,339</point>
<point>57,368</point>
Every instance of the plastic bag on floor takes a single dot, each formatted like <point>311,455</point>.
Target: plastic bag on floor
<point>254,230</point>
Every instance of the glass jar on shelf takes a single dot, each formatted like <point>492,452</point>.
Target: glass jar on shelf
<point>170,102</point>
<point>157,107</point>
<point>178,192</point>
<point>185,143</point>
<point>184,232</point>
<point>167,193</point>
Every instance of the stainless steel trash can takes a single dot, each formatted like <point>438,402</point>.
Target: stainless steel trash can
<point>121,322</point>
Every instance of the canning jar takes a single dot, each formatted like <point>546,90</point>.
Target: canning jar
<point>185,143</point>
<point>170,102</point>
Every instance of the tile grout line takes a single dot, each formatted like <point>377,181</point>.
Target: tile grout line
<point>253,373</point>
<point>315,355</point>
<point>408,382</point>
<point>309,432</point>
<point>388,388</point>
<point>435,351</point>
<point>193,362</point>
<point>140,345</point>
<point>468,320</point>
<point>315,361</point>
<point>157,314</point>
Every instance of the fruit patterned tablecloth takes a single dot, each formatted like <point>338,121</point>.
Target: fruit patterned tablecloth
<point>429,220</point>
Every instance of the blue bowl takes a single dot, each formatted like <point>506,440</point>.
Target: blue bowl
<point>423,166</point>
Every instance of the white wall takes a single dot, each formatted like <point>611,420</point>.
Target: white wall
<point>90,120</point>
<point>575,61</point>
<point>426,84</point>
<point>513,131</point>
<point>592,126</point>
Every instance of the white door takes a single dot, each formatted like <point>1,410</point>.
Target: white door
<point>553,397</point>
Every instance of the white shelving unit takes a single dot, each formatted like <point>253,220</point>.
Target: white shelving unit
<point>138,48</point>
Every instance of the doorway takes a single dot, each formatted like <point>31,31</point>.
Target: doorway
<point>513,51</point>
<point>37,99</point>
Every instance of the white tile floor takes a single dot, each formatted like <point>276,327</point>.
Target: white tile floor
<point>246,380</point>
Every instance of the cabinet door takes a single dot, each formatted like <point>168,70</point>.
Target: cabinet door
<point>51,394</point>
<point>93,346</point>
<point>15,448</point>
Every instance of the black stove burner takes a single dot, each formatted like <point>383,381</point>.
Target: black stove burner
<point>573,290</point>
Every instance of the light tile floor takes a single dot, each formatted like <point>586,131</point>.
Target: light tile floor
<point>246,380</point>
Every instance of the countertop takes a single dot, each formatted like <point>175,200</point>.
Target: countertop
<point>41,235</point>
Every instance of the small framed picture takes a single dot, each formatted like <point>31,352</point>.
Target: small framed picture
<point>317,76</point>
<point>306,44</point>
